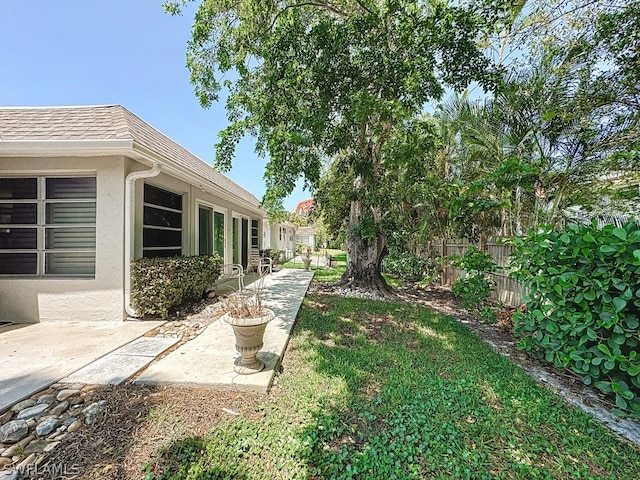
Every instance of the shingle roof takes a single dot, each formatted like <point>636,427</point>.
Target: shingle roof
<point>107,122</point>
<point>305,231</point>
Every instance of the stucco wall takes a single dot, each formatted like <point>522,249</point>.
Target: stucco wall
<point>192,197</point>
<point>33,299</point>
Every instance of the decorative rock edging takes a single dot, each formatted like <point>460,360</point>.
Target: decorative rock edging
<point>184,330</point>
<point>35,427</point>
<point>348,292</point>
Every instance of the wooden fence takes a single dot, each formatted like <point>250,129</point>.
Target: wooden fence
<point>507,290</point>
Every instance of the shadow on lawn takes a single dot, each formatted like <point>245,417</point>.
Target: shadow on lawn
<point>194,460</point>
<point>393,390</point>
<point>422,397</point>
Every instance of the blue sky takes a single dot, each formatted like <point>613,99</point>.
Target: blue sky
<point>127,52</point>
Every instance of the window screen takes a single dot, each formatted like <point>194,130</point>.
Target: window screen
<point>48,226</point>
<point>162,223</point>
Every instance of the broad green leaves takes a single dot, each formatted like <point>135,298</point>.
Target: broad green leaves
<point>474,288</point>
<point>341,81</point>
<point>320,79</point>
<point>591,323</point>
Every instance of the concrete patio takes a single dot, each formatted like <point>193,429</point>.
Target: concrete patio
<point>35,356</point>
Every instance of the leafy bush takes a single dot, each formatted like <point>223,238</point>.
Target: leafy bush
<point>272,253</point>
<point>158,284</point>
<point>475,287</point>
<point>584,305</point>
<point>407,266</point>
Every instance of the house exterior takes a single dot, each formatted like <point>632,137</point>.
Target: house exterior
<point>280,236</point>
<point>306,236</point>
<point>83,190</point>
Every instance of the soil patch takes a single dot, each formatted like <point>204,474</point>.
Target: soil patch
<point>139,426</point>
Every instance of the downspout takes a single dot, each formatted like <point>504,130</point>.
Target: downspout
<point>129,227</point>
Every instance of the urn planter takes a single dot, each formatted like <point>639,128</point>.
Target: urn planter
<point>249,333</point>
<point>307,262</point>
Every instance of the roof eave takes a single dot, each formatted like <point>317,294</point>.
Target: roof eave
<point>187,175</point>
<point>67,148</point>
<point>126,147</point>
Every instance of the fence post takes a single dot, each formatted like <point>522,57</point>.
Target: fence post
<point>445,272</point>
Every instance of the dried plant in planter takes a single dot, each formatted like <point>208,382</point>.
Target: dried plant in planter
<point>246,303</point>
<point>248,317</point>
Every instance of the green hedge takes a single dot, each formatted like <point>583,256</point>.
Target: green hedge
<point>475,287</point>
<point>583,310</point>
<point>158,284</point>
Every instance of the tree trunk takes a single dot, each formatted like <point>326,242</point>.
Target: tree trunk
<point>364,258</point>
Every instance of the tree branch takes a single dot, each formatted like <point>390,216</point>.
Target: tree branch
<point>364,7</point>
<point>326,6</point>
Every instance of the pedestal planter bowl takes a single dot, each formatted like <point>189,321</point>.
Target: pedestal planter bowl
<point>307,262</point>
<point>249,334</point>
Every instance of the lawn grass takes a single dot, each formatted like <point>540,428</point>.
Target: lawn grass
<point>389,390</point>
<point>333,274</point>
<point>322,274</point>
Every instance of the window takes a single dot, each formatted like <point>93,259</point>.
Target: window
<point>205,230</point>
<point>235,240</point>
<point>218,233</point>
<point>303,239</point>
<point>244,246</point>
<point>254,234</point>
<point>162,223</point>
<point>48,226</point>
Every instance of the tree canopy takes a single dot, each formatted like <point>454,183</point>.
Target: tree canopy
<point>320,80</point>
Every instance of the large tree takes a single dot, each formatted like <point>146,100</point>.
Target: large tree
<point>335,79</point>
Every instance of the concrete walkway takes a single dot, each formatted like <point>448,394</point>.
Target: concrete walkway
<point>34,356</point>
<point>116,367</point>
<point>208,360</point>
<point>316,260</point>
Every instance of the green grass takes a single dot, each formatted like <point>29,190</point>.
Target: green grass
<point>325,274</point>
<point>389,390</point>
<point>322,274</point>
<point>333,274</point>
<point>334,252</point>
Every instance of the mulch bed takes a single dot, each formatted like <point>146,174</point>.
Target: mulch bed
<point>138,420</point>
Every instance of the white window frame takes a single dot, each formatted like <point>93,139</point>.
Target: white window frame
<point>240,216</point>
<point>210,206</point>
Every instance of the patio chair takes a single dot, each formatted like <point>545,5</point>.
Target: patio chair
<point>258,263</point>
<point>233,270</point>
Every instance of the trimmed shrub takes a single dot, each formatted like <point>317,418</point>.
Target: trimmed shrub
<point>158,284</point>
<point>475,287</point>
<point>584,305</point>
